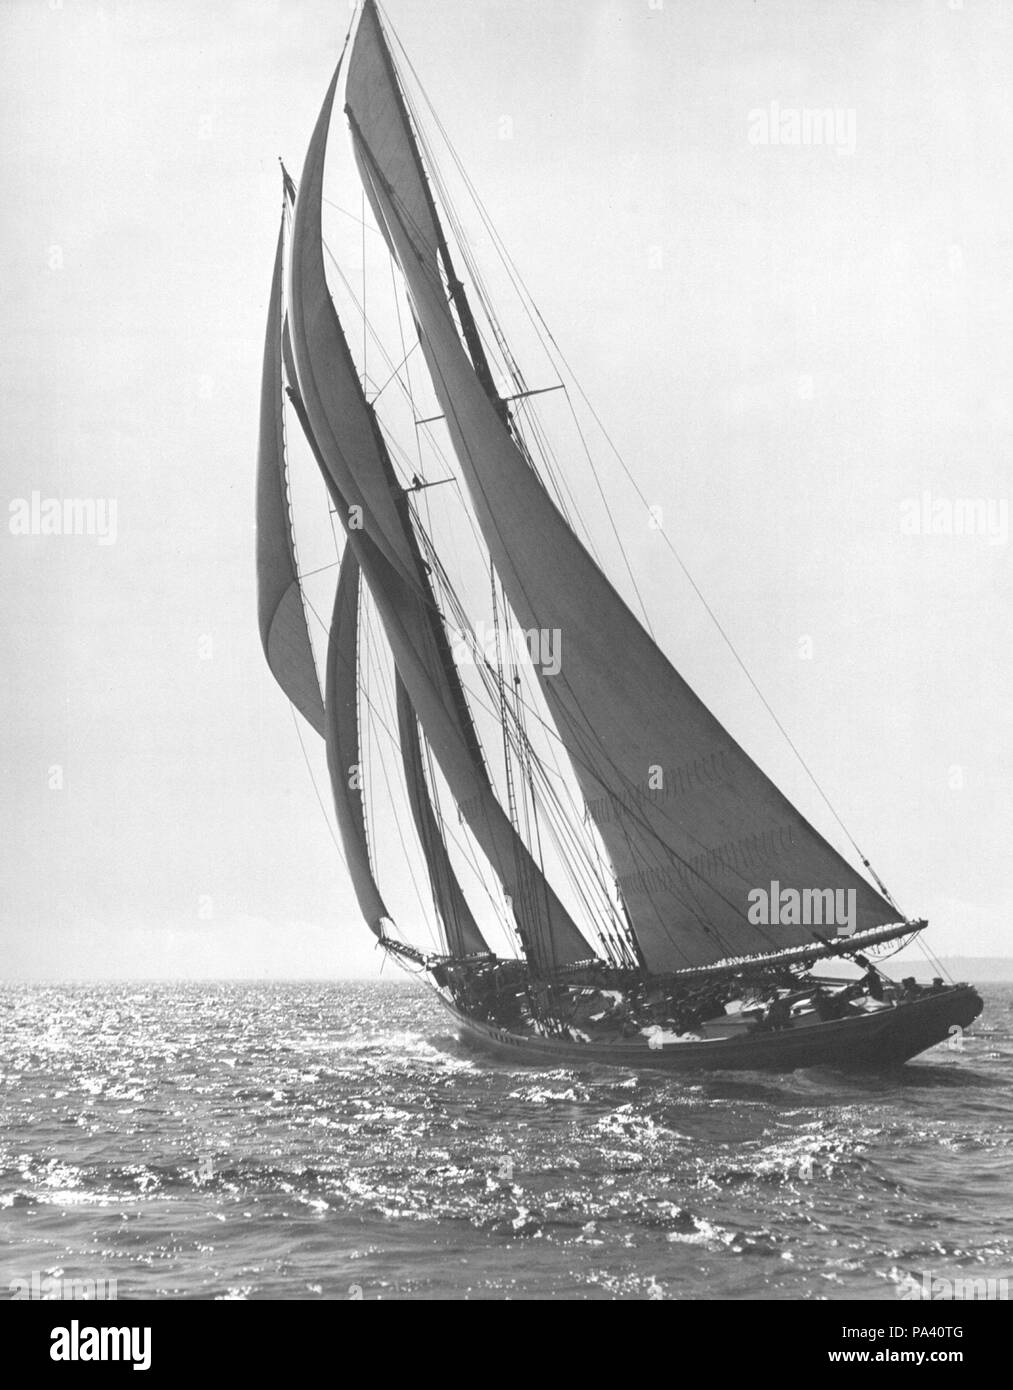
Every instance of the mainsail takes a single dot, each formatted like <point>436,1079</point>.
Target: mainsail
<point>283,629</point>
<point>691,824</point>
<point>343,432</point>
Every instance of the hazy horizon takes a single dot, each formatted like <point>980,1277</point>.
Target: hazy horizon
<point>999,971</point>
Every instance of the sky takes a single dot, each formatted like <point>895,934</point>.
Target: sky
<point>798,333</point>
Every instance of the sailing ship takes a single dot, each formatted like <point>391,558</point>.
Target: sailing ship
<point>652,955</point>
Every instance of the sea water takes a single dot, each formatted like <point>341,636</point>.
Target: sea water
<point>336,1141</point>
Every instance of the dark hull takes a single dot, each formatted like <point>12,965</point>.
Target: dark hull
<point>875,1040</point>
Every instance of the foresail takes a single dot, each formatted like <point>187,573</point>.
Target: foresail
<point>283,631</point>
<point>549,935</point>
<point>344,755</point>
<point>693,827</point>
<point>461,929</point>
<point>346,441</point>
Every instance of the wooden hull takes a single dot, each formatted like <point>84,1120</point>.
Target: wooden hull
<point>870,1041</point>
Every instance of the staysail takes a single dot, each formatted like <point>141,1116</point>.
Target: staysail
<point>344,759</point>
<point>283,631</point>
<point>692,825</point>
<point>346,440</point>
<point>462,931</point>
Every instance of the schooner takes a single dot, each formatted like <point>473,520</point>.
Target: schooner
<point>656,954</point>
